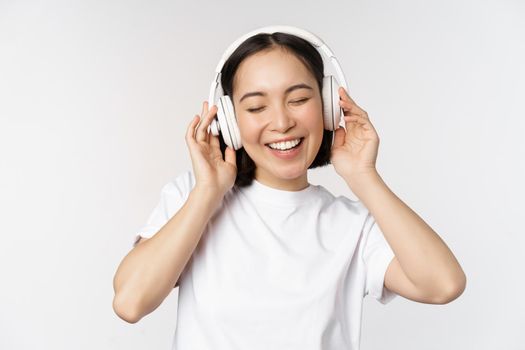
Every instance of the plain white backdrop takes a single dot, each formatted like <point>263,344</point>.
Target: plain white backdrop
<point>95,98</point>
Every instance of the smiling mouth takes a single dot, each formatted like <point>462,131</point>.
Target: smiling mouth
<point>289,149</point>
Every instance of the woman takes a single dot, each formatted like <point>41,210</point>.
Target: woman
<point>264,259</point>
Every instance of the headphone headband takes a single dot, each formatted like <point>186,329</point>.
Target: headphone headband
<point>308,36</point>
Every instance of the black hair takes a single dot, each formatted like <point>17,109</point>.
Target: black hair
<point>313,61</point>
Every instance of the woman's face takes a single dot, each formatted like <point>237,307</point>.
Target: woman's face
<point>270,106</point>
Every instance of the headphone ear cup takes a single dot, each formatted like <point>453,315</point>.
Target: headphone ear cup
<point>228,123</point>
<point>331,109</point>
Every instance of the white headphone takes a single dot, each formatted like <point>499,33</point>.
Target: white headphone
<point>227,121</point>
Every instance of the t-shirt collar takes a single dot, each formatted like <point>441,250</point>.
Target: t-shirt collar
<point>274,196</point>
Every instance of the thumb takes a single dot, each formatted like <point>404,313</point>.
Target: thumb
<point>229,156</point>
<point>339,138</point>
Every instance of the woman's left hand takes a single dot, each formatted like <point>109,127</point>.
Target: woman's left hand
<point>354,152</point>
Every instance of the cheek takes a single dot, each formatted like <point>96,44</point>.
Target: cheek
<point>249,129</point>
<point>313,118</point>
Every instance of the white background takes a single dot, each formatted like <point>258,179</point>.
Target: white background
<point>95,98</point>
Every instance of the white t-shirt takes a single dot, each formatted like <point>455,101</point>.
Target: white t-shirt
<point>276,269</point>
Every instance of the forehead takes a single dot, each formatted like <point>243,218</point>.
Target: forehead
<point>271,71</point>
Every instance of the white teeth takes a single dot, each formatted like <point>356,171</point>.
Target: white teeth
<point>285,145</point>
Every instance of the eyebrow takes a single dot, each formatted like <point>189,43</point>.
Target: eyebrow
<point>287,91</point>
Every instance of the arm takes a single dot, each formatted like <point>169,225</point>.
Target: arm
<point>423,269</point>
<point>426,268</point>
<point>149,271</point>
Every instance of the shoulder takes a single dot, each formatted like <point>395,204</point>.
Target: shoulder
<point>340,201</point>
<point>180,185</point>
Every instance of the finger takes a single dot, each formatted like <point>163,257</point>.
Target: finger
<point>351,108</point>
<point>356,118</point>
<point>191,129</point>
<point>353,122</point>
<point>349,103</point>
<point>202,129</point>
<point>347,99</point>
<point>204,111</point>
<point>343,94</point>
<point>205,125</point>
<point>204,108</point>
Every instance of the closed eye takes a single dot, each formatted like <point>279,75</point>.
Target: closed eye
<point>301,100</point>
<point>254,110</point>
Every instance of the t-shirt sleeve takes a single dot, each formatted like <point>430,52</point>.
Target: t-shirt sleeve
<point>377,255</point>
<point>172,197</point>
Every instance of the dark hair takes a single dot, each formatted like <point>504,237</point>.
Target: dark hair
<point>313,61</point>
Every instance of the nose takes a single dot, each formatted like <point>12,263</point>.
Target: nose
<point>281,120</point>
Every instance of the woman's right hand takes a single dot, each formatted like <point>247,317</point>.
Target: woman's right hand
<point>212,173</point>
